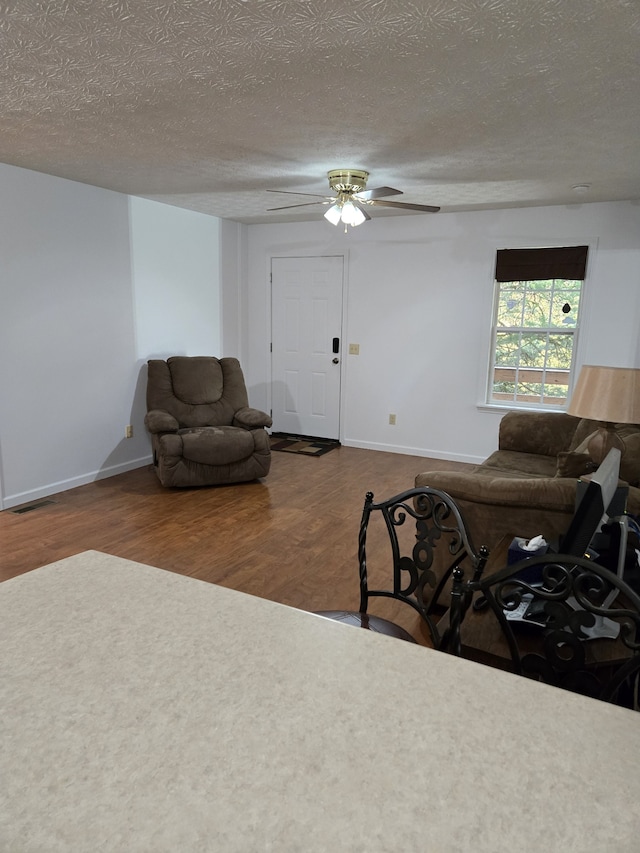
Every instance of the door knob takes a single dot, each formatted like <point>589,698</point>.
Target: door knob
<point>335,360</point>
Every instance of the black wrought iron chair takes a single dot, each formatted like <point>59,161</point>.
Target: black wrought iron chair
<point>415,523</point>
<point>564,620</point>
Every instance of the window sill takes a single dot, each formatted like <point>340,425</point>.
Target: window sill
<point>497,408</point>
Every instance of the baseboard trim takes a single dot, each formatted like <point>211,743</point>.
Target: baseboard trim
<point>71,483</point>
<point>414,451</point>
<point>46,491</point>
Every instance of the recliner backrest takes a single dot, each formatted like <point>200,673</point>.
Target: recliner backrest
<point>197,390</point>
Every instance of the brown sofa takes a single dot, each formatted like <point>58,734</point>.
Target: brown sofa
<point>528,486</point>
<point>203,430</point>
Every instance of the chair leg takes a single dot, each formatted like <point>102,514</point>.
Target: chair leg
<point>451,638</point>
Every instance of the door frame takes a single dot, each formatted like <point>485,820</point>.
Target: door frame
<point>343,325</point>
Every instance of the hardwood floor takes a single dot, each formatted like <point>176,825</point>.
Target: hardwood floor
<point>291,537</point>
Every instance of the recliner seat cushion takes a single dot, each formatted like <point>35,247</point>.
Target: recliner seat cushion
<point>199,444</point>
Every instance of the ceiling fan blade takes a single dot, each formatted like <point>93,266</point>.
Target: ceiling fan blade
<point>377,192</point>
<point>290,192</point>
<point>304,204</point>
<point>427,208</point>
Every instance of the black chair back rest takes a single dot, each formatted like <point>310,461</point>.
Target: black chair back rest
<point>421,523</point>
<point>564,611</point>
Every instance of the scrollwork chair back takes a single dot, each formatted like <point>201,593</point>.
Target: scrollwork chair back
<point>568,603</point>
<point>420,524</point>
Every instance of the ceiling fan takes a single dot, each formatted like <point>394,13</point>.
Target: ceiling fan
<point>351,198</point>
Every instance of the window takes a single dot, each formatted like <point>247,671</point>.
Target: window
<point>537,307</point>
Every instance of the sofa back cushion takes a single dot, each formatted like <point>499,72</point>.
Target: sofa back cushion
<point>584,431</point>
<point>630,462</point>
<point>544,433</point>
<point>629,433</point>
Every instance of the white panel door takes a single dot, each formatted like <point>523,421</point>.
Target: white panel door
<point>306,341</point>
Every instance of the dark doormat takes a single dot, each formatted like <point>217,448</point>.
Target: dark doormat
<point>303,444</point>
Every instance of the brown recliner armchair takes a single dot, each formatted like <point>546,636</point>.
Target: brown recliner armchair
<point>203,431</point>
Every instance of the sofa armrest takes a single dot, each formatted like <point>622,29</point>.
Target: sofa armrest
<point>544,433</point>
<point>249,418</point>
<point>494,507</point>
<point>547,493</point>
<point>157,421</point>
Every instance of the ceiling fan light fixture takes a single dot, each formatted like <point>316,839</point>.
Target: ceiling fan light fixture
<point>351,199</point>
<point>351,214</point>
<point>347,180</point>
<point>334,214</point>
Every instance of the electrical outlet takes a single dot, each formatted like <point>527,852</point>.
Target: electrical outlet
<point>354,349</point>
<point>392,420</point>
<point>128,431</point>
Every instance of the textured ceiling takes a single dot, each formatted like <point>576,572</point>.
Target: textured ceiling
<point>464,104</point>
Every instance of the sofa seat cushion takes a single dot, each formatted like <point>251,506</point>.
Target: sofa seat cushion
<point>216,445</point>
<point>520,464</point>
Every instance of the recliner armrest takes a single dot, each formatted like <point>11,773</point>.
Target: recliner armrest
<point>249,418</point>
<point>157,421</point>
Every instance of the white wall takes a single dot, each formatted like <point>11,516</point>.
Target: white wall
<point>232,274</point>
<point>176,280</point>
<point>76,328</point>
<point>419,304</point>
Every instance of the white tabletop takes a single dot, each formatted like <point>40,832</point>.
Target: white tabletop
<point>146,711</point>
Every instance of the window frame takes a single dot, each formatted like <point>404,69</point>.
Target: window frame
<point>489,402</point>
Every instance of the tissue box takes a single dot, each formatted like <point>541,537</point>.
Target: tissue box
<point>517,552</point>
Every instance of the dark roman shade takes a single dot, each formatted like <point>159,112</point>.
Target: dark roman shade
<point>569,262</point>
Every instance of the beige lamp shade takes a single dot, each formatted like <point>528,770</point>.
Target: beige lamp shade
<point>607,394</point>
<point>610,394</point>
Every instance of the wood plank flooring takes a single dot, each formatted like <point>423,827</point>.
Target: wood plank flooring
<point>291,537</point>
